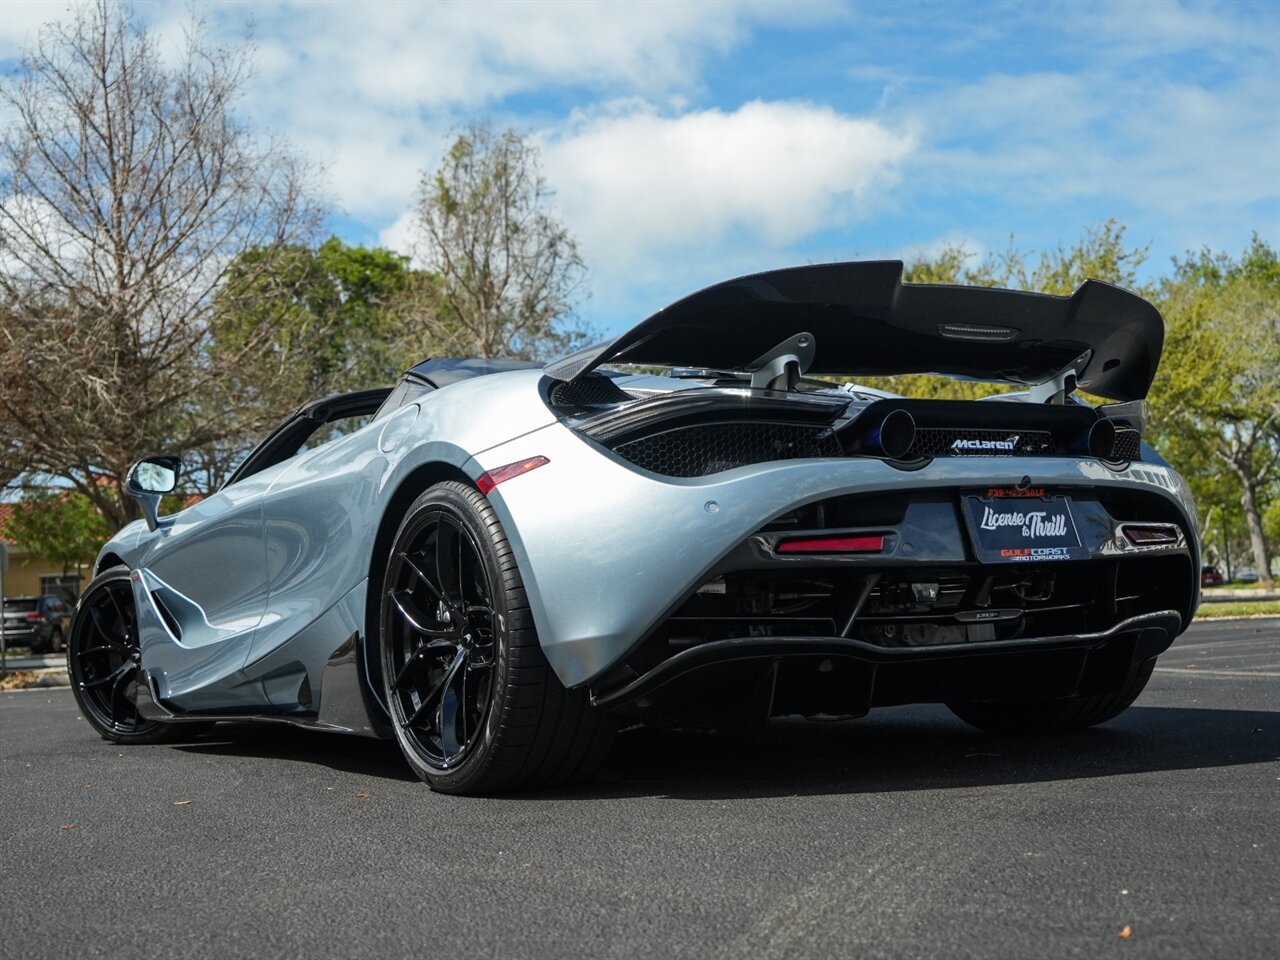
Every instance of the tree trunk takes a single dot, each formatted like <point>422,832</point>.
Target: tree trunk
<point>1253,520</point>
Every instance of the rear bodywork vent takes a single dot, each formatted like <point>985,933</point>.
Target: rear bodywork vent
<point>698,451</point>
<point>589,391</point>
<point>702,431</point>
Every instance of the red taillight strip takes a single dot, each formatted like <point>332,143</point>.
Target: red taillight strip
<point>833,545</point>
<point>491,478</point>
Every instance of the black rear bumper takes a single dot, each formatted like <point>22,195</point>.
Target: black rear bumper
<point>825,676</point>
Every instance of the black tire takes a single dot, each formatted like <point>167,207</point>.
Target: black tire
<point>1055,716</point>
<point>102,662</point>
<point>474,704</point>
<point>56,642</point>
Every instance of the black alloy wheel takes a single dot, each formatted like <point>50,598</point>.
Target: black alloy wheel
<point>103,661</point>
<point>441,636</point>
<point>474,704</point>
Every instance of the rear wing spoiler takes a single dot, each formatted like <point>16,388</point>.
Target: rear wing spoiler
<point>864,321</point>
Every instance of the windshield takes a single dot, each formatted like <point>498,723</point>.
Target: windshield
<point>20,605</point>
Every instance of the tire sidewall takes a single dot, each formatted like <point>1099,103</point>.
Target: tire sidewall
<point>473,512</point>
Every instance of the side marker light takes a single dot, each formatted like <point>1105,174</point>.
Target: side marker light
<point>491,478</point>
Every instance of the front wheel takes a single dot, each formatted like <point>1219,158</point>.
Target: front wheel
<point>103,662</point>
<point>1055,716</point>
<point>474,704</point>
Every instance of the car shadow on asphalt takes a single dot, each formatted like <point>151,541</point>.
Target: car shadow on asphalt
<point>894,750</point>
<point>272,741</point>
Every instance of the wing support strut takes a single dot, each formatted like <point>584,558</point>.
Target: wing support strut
<point>782,367</point>
<point>1061,385</point>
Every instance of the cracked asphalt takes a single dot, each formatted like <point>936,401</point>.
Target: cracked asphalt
<point>905,834</point>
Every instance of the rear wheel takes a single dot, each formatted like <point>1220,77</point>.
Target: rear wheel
<point>474,704</point>
<point>1053,716</point>
<point>103,662</point>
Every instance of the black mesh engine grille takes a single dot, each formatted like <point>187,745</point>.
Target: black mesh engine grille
<point>587,392</point>
<point>704,449</point>
<point>961,442</point>
<point>1128,445</point>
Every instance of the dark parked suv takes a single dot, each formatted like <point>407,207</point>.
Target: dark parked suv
<point>36,622</point>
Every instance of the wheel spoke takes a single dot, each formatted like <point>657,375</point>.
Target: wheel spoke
<point>459,569</point>
<point>426,581</point>
<point>128,617</point>
<point>448,548</point>
<point>420,657</point>
<point>436,692</point>
<point>119,710</point>
<point>107,634</point>
<point>416,618</point>
<point>451,705</point>
<point>113,676</point>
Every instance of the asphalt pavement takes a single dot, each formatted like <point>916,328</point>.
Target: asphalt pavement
<point>906,834</point>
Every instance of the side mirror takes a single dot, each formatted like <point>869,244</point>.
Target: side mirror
<point>149,480</point>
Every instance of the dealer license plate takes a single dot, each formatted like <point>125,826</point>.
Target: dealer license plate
<point>1023,529</point>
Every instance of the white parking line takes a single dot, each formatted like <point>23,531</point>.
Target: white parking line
<point>1240,658</point>
<point>1233,642</point>
<point>1217,673</point>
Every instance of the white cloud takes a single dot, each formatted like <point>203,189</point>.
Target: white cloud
<point>369,89</point>
<point>21,20</point>
<point>638,183</point>
<point>1051,138</point>
<point>401,233</point>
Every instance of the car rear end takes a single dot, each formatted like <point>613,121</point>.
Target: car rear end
<point>752,535</point>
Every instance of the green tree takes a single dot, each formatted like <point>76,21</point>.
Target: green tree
<point>336,314</point>
<point>1216,400</point>
<point>503,273</point>
<point>1100,254</point>
<point>63,526</point>
<point>331,311</point>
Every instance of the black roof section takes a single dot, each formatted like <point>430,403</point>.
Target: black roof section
<point>443,371</point>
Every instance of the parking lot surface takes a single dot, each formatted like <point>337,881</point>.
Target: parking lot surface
<point>906,834</point>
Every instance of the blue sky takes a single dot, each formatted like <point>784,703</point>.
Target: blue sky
<point>691,142</point>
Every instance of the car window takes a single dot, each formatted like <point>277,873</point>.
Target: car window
<point>20,605</point>
<point>309,427</point>
<point>408,390</point>
<point>332,431</point>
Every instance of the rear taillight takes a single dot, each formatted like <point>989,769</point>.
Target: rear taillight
<point>491,478</point>
<point>36,616</point>
<point>833,545</point>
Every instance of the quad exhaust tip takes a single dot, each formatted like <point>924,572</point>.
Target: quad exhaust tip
<point>1101,440</point>
<point>892,437</point>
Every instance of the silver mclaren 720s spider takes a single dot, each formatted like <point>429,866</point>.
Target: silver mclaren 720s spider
<point>497,563</point>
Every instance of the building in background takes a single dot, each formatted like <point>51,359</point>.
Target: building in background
<point>30,576</point>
